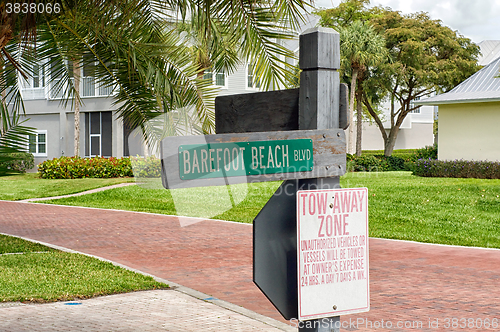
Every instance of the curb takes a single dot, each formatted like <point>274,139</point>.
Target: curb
<point>174,287</point>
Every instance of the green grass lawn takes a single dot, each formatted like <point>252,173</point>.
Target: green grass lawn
<point>401,206</point>
<point>212,202</point>
<point>18,187</point>
<point>42,274</point>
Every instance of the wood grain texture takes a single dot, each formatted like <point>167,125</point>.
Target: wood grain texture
<point>344,106</point>
<point>329,148</point>
<point>257,112</point>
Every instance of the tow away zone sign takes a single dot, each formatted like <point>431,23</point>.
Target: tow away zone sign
<point>332,252</point>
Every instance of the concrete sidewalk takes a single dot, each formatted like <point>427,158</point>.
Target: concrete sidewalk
<point>413,286</point>
<point>158,310</point>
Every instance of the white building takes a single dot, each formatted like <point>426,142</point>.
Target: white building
<point>415,132</point>
<point>469,114</point>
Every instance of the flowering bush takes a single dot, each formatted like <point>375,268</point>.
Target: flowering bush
<point>457,169</point>
<point>430,151</point>
<point>76,167</point>
<point>149,167</point>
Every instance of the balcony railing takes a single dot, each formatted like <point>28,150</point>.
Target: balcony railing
<point>33,93</point>
<point>88,88</point>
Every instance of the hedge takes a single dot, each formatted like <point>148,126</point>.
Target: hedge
<point>428,152</point>
<point>401,160</point>
<point>406,154</point>
<point>457,169</point>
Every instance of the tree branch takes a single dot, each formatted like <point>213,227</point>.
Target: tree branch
<point>375,116</point>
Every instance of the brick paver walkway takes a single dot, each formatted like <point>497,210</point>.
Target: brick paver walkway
<point>411,283</point>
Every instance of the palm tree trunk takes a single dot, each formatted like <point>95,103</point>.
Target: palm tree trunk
<point>350,148</point>
<point>359,123</point>
<point>76,105</point>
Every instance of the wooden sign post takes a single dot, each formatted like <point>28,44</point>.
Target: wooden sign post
<point>292,135</point>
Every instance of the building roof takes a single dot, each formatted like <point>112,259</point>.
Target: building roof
<point>483,86</point>
<point>490,50</point>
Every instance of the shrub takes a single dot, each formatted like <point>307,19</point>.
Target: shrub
<point>401,160</point>
<point>18,161</point>
<point>76,167</point>
<point>406,154</point>
<point>366,164</point>
<point>457,169</point>
<point>394,163</point>
<point>149,167</point>
<point>375,163</point>
<point>428,152</point>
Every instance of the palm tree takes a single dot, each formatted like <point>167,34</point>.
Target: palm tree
<point>138,52</point>
<point>13,135</point>
<point>361,47</point>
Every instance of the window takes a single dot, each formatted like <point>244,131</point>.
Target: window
<point>217,78</point>
<point>252,82</point>
<point>88,77</point>
<point>38,76</point>
<point>207,75</point>
<point>34,86</point>
<point>37,80</point>
<point>89,85</point>
<point>417,110</point>
<point>56,69</point>
<point>98,134</point>
<point>38,143</point>
<point>220,79</point>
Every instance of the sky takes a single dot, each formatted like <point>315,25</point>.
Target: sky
<point>475,19</point>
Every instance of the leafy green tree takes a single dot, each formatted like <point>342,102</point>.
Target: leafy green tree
<point>347,12</point>
<point>425,57</point>
<point>217,51</point>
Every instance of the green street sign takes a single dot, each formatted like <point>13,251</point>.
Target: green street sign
<point>217,160</point>
<point>221,159</point>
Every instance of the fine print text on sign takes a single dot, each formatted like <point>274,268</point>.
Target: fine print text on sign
<point>245,158</point>
<point>332,257</point>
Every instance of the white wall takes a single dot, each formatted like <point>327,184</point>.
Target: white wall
<point>469,131</point>
<point>237,83</point>
<point>418,136</point>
